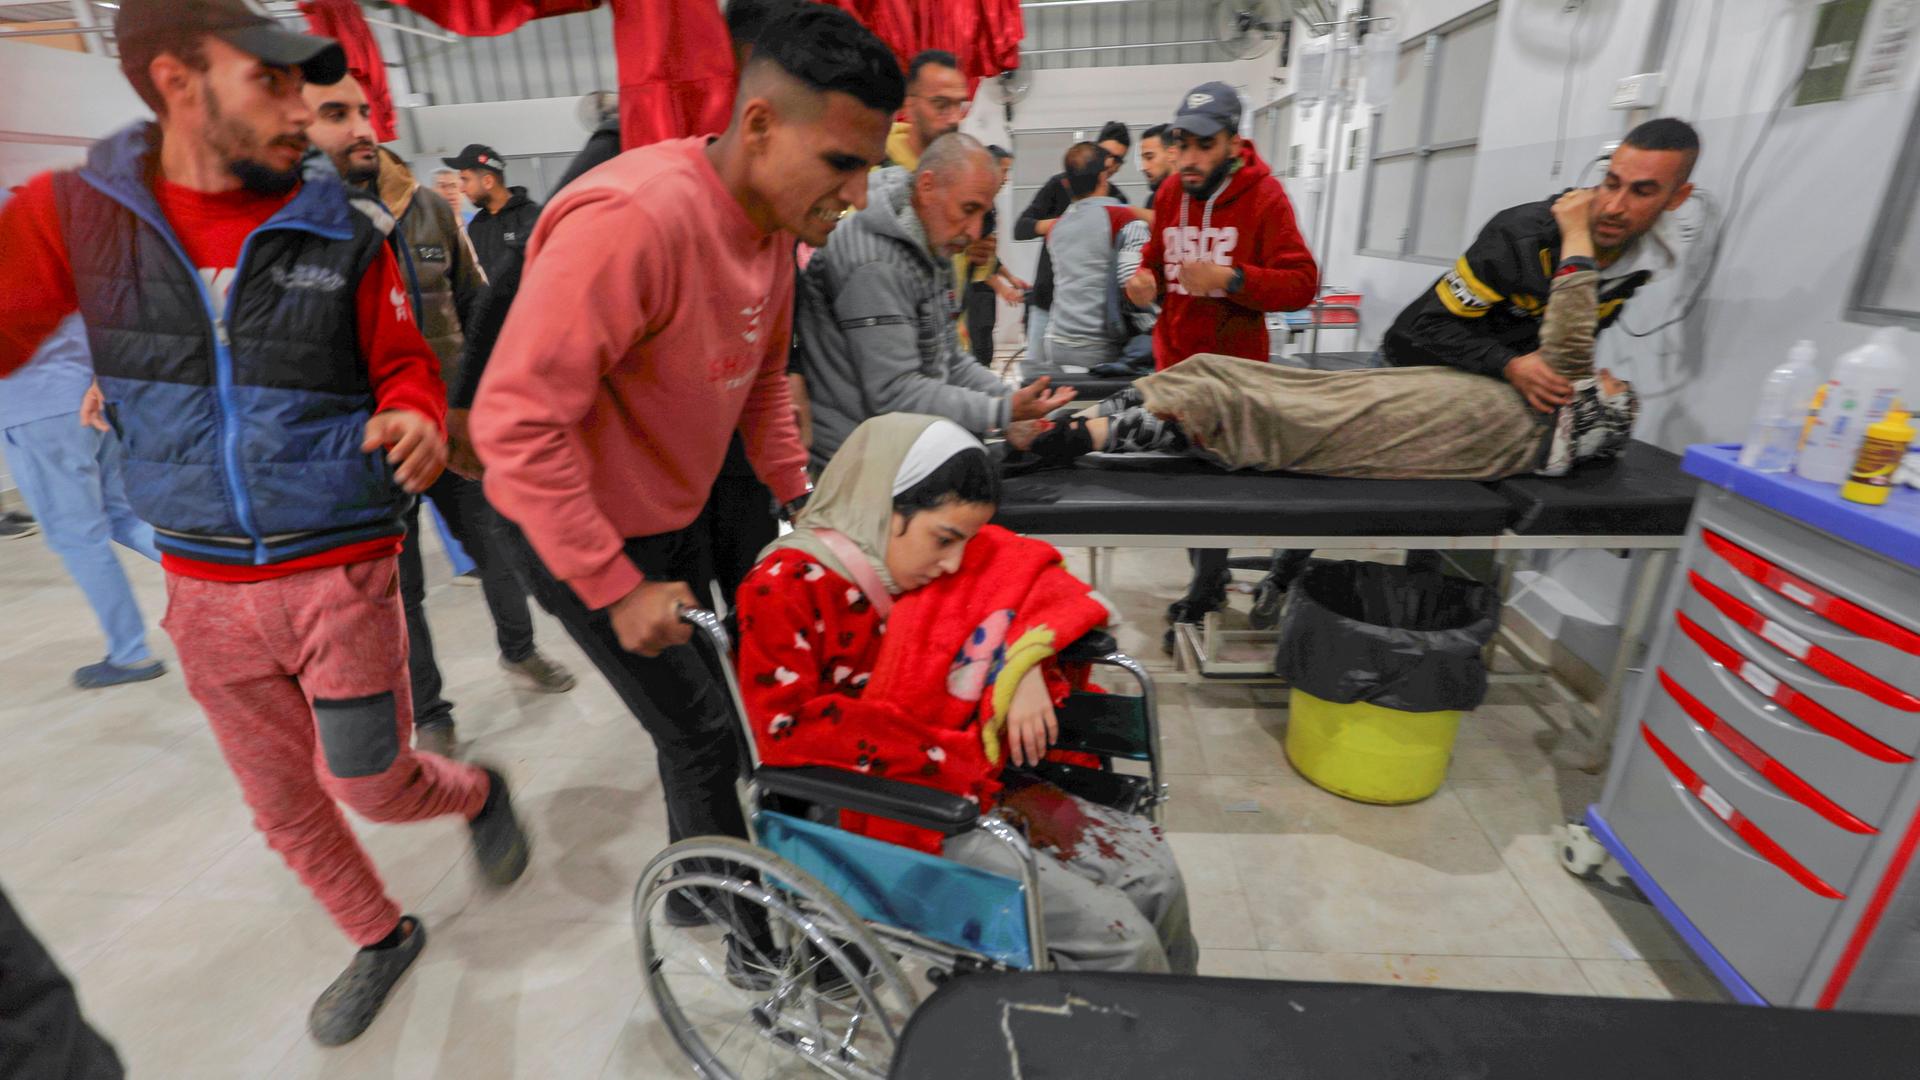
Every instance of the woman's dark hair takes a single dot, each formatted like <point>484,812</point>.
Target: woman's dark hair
<point>966,477</point>
<point>1115,131</point>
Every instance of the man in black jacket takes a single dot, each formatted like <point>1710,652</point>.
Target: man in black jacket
<point>504,224</point>
<point>1483,315</point>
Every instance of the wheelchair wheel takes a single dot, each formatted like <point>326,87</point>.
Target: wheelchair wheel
<point>759,970</point>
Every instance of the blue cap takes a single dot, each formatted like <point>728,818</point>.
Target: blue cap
<point>1207,109</point>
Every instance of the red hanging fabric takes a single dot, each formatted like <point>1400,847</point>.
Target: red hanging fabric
<point>676,69</point>
<point>676,65</point>
<point>341,20</point>
<point>489,18</point>
<point>1002,27</point>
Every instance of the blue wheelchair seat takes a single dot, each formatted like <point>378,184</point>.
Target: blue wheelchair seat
<point>949,902</point>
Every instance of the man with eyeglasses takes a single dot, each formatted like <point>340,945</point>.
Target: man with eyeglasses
<point>936,103</point>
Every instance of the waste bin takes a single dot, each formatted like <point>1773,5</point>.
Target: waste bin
<point>1383,661</point>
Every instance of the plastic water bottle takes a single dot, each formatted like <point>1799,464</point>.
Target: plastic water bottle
<point>1865,384</point>
<point>1774,437</point>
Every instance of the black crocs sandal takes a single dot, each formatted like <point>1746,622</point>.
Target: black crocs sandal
<point>347,1008</point>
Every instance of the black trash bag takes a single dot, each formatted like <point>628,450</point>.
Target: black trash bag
<point>1388,636</point>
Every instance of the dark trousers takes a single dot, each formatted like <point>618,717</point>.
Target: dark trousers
<point>42,1033</point>
<point>739,522</point>
<point>982,309</point>
<point>474,523</point>
<point>1208,589</point>
<point>676,696</point>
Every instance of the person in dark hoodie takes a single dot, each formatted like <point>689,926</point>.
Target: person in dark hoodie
<point>504,223</point>
<point>1224,251</point>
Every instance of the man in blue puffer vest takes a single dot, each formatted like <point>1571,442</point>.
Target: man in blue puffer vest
<point>256,352</point>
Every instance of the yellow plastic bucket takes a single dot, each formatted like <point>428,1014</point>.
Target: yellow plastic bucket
<point>1368,753</point>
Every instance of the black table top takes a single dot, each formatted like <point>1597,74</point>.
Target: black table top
<point>1121,1026</point>
<point>1191,498</point>
<point>1642,493</point>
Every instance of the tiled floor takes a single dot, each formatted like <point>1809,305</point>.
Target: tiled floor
<point>123,840</point>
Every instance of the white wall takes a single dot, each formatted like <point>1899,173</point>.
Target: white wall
<point>53,103</point>
<point>515,128</point>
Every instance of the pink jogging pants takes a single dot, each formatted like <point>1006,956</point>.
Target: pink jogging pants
<point>304,682</point>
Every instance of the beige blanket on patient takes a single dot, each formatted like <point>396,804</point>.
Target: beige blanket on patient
<point>1414,423</point>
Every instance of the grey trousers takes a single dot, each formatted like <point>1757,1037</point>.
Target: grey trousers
<point>1109,886</point>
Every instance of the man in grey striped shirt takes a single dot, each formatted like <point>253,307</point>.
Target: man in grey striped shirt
<point>877,306</point>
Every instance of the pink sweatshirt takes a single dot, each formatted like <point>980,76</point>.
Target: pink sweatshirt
<point>657,325</point>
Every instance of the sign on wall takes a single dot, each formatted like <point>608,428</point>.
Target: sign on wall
<point>1883,53</point>
<point>1836,37</point>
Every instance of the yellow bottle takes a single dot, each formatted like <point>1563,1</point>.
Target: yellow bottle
<point>1872,479</point>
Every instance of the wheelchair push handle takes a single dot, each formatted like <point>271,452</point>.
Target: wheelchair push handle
<point>710,624</point>
<point>714,629</point>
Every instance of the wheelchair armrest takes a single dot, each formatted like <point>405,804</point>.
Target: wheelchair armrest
<point>843,789</point>
<point>1096,645</point>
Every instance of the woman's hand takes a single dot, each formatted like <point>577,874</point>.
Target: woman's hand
<point>1031,725</point>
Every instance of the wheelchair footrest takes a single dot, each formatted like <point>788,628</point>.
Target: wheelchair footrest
<point>1132,794</point>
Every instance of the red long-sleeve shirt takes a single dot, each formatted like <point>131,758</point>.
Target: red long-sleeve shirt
<point>37,292</point>
<point>1248,224</point>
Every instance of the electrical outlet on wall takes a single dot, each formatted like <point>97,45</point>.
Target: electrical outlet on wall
<point>1637,91</point>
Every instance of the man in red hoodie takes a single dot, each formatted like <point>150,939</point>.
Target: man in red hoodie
<point>1226,251</point>
<point>1224,248</point>
<point>653,322</point>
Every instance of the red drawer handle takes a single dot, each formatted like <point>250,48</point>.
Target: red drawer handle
<point>1744,829</point>
<point>1840,612</point>
<point>1760,761</point>
<point>1808,711</point>
<point>1801,649</point>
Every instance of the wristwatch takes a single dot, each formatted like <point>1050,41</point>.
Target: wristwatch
<point>791,510</point>
<point>1238,279</point>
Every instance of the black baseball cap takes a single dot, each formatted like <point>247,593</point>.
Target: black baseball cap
<point>1207,109</point>
<point>244,24</point>
<point>478,156</point>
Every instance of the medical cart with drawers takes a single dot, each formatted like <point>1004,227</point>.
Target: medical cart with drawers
<point>1764,791</point>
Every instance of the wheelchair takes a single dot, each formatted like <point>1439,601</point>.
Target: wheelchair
<point>804,952</point>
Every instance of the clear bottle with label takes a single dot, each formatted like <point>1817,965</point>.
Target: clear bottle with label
<point>1774,436</point>
<point>1865,384</point>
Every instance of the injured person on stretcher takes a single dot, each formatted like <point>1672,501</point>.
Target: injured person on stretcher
<point>1413,423</point>
<point>896,633</point>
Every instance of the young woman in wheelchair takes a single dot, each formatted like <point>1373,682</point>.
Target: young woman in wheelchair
<point>895,632</point>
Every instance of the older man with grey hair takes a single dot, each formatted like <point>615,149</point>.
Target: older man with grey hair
<point>875,323</point>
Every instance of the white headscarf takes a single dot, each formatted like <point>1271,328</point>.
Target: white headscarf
<point>884,457</point>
